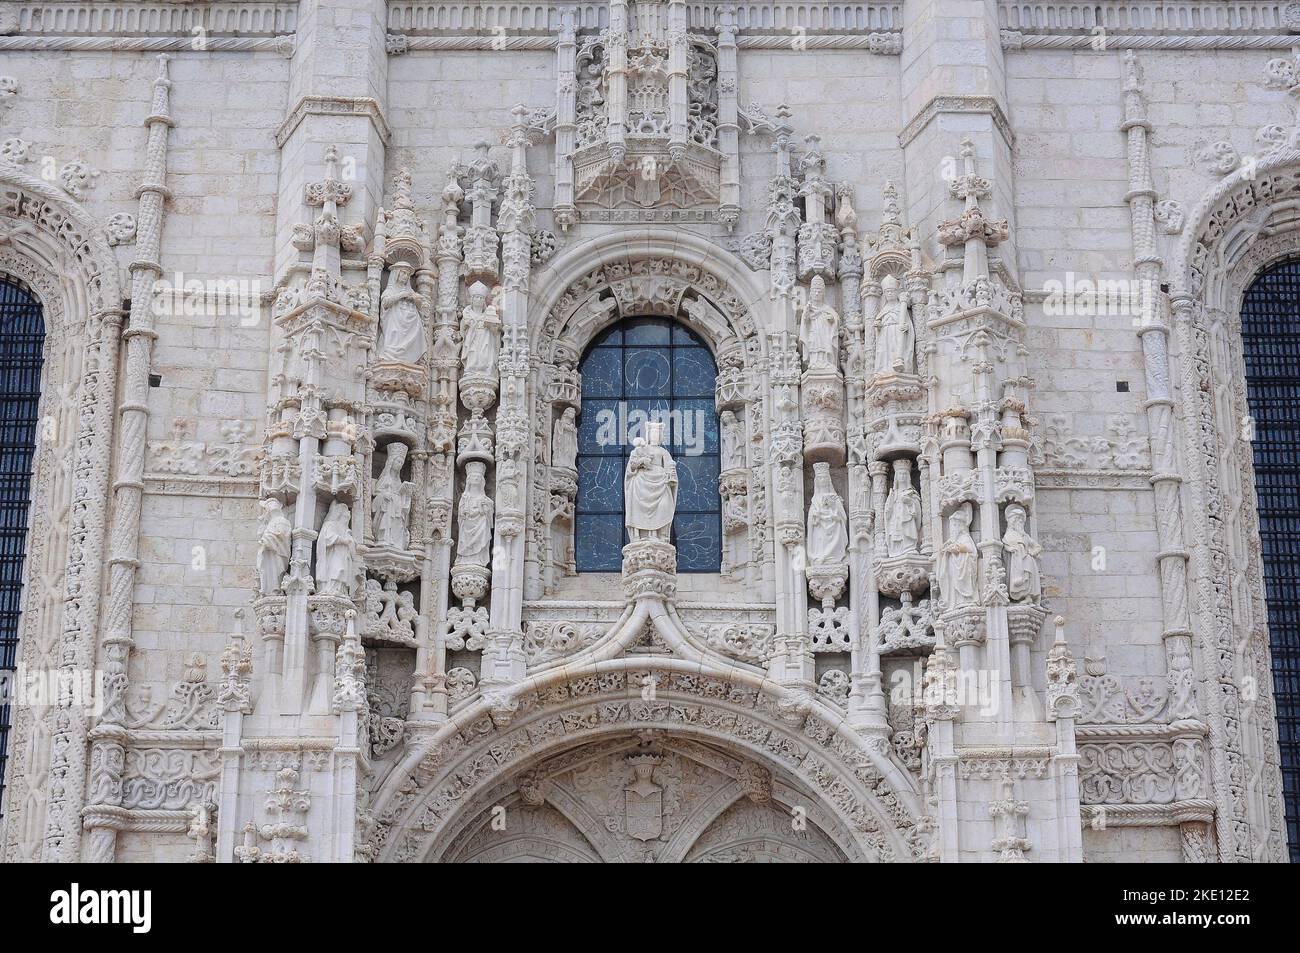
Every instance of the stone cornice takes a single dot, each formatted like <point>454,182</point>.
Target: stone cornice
<point>247,19</point>
<point>333,106</point>
<point>512,17</point>
<point>888,44</point>
<point>957,104</point>
<point>1013,40</point>
<point>1152,16</point>
<point>149,44</point>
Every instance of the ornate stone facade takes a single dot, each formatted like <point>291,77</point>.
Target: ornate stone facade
<point>308,482</point>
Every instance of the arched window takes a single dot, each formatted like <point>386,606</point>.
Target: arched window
<point>22,339</point>
<point>1270,332</point>
<point>647,369</point>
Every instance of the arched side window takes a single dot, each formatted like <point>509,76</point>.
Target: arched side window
<point>647,369</point>
<point>22,340</point>
<point>1270,331</point>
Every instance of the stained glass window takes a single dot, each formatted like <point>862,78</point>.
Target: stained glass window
<point>647,369</point>
<point>22,337</point>
<point>1270,332</point>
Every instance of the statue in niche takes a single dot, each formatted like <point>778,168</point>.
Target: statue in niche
<point>1023,580</point>
<point>819,329</point>
<point>828,524</point>
<point>895,335</point>
<point>508,484</point>
<point>564,441</point>
<point>391,502</point>
<point>474,517</point>
<point>480,331</point>
<point>731,437</point>
<point>401,337</point>
<point>274,547</point>
<point>649,487</point>
<point>336,551</point>
<point>902,513</point>
<point>959,573</point>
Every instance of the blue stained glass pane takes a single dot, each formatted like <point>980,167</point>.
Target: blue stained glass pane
<point>647,369</point>
<point>598,427</point>
<point>684,335</point>
<point>610,337</point>
<point>600,484</point>
<point>647,372</point>
<point>695,428</point>
<point>699,542</point>
<point>602,374</point>
<point>598,543</point>
<point>697,484</point>
<point>640,411</point>
<point>654,332</point>
<point>694,373</point>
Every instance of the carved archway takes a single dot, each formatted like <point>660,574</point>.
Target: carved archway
<point>649,796</point>
<point>448,779</point>
<point>1242,225</point>
<point>56,249</point>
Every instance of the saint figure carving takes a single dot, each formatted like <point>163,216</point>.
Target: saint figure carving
<point>274,547</point>
<point>391,502</point>
<point>1022,552</point>
<point>895,335</point>
<point>828,524</point>
<point>336,551</point>
<point>402,335</point>
<point>959,575</point>
<point>480,330</point>
<point>564,442</point>
<point>902,513</point>
<point>649,487</point>
<point>474,516</point>
<point>819,329</point>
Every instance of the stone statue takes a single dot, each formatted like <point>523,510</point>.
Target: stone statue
<point>649,487</point>
<point>480,330</point>
<point>564,442</point>
<point>819,329</point>
<point>391,502</point>
<point>828,524</point>
<point>474,516</point>
<point>732,456</point>
<point>274,547</point>
<point>336,551</point>
<point>402,336</point>
<point>895,336</point>
<point>1022,552</point>
<point>902,513</point>
<point>959,572</point>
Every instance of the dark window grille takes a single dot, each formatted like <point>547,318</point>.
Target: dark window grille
<point>1270,331</point>
<point>647,368</point>
<point>22,339</point>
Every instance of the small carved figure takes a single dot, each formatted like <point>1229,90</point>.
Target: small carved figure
<point>392,500</point>
<point>1023,580</point>
<point>960,564</point>
<point>474,516</point>
<point>828,524</point>
<point>274,547</point>
<point>402,335</point>
<point>336,551</point>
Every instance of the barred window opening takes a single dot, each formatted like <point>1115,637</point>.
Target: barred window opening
<point>647,369</point>
<point>1270,332</point>
<point>22,339</point>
